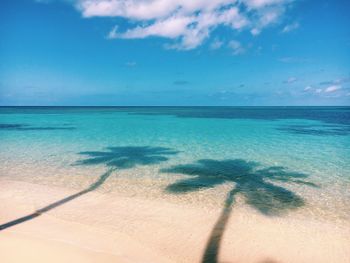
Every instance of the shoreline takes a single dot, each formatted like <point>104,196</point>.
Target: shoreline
<point>104,228</point>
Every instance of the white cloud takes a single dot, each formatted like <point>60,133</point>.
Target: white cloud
<point>290,80</point>
<point>216,44</point>
<point>43,1</point>
<point>131,64</point>
<point>262,3</point>
<point>342,80</point>
<point>171,27</point>
<point>187,22</point>
<point>113,33</point>
<point>290,27</point>
<point>329,90</point>
<point>294,60</point>
<point>255,31</point>
<point>332,88</point>
<point>269,16</point>
<point>236,47</point>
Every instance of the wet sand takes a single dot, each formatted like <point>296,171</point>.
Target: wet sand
<point>97,227</point>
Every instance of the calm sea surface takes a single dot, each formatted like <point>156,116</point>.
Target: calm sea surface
<point>287,161</point>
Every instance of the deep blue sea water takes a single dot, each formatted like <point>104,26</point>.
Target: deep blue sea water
<point>277,158</point>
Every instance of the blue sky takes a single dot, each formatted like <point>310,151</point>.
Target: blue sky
<point>174,52</point>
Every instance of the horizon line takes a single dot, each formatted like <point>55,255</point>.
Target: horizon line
<point>164,106</point>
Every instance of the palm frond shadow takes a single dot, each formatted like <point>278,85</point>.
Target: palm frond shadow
<point>114,158</point>
<point>254,184</point>
<point>127,157</point>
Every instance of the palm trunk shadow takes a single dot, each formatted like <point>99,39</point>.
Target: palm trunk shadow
<point>49,207</point>
<point>213,246</point>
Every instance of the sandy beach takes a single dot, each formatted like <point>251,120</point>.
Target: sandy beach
<point>110,228</point>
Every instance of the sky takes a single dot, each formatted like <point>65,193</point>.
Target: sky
<point>174,52</point>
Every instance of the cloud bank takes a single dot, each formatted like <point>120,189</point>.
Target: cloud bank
<point>188,23</point>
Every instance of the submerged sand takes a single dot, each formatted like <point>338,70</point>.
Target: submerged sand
<point>99,227</point>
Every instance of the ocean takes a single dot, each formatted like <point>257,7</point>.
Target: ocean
<point>277,161</point>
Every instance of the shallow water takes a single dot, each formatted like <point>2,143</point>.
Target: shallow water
<point>280,161</point>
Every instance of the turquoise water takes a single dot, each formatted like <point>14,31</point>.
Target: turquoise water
<point>280,160</point>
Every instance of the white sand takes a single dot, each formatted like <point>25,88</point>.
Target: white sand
<point>112,228</point>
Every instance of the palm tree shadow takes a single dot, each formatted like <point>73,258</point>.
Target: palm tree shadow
<point>114,158</point>
<point>249,181</point>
